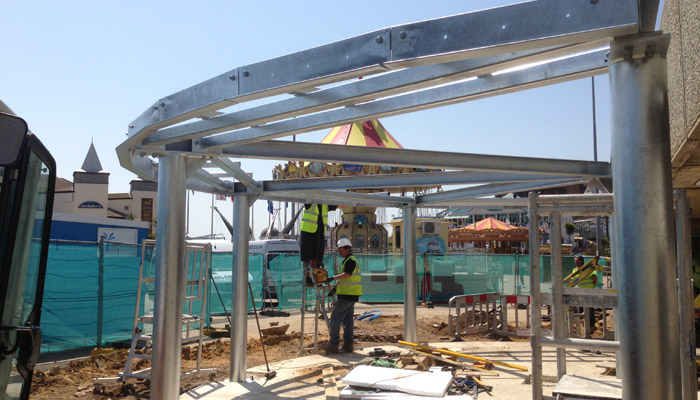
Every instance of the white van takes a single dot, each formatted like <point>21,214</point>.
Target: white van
<point>270,249</point>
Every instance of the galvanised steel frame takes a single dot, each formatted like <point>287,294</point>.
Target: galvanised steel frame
<point>409,68</point>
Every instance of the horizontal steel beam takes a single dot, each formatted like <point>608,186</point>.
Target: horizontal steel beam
<point>580,210</point>
<point>580,344</point>
<point>217,183</point>
<point>490,190</point>
<point>599,298</point>
<point>286,150</point>
<point>339,198</point>
<point>545,74</point>
<point>234,170</point>
<point>360,91</point>
<point>511,28</point>
<point>420,179</point>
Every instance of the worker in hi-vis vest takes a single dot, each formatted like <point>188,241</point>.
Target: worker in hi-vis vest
<point>588,282</point>
<point>349,290</point>
<point>312,242</point>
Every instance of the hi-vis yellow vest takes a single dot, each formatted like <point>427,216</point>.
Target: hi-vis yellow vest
<point>351,286</point>
<point>587,282</point>
<point>309,219</point>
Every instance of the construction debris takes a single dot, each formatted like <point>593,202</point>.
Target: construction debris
<point>275,330</point>
<point>426,348</point>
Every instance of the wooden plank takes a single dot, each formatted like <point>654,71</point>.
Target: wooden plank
<point>329,384</point>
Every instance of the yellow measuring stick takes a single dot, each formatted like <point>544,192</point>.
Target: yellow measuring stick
<point>454,353</point>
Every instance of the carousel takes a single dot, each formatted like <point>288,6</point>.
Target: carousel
<point>489,235</point>
<point>359,224</point>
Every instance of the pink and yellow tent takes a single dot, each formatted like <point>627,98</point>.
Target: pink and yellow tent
<point>368,134</point>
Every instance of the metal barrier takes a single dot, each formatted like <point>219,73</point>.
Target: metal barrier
<point>482,318</point>
<point>580,319</point>
<point>521,305</point>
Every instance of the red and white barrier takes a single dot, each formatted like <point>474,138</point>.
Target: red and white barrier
<point>521,304</point>
<point>481,306</point>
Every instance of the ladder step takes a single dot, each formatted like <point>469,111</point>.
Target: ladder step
<point>191,339</point>
<point>191,319</point>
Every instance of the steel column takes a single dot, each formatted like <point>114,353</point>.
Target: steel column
<point>170,278</point>
<point>535,317</point>
<point>645,256</point>
<point>239,294</point>
<point>409,277</point>
<point>558,312</point>
<point>685,296</point>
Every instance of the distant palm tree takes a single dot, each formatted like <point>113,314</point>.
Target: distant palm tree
<point>570,229</point>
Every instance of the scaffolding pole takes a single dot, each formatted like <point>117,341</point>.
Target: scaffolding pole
<point>170,278</point>
<point>644,252</point>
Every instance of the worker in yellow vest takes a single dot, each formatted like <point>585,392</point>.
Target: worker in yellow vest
<point>588,282</point>
<point>349,290</point>
<point>312,242</point>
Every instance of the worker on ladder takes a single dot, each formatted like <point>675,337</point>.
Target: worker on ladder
<point>348,290</point>
<point>312,242</point>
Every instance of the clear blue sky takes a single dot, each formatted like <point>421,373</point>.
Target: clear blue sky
<point>79,71</point>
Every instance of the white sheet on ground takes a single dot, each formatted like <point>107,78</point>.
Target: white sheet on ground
<point>414,382</point>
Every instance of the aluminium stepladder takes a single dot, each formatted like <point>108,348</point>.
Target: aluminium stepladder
<point>317,308</point>
<point>197,265</point>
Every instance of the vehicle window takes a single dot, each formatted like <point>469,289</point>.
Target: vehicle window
<point>24,271</point>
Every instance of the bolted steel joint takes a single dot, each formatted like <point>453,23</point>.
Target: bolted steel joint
<point>650,50</point>
<point>246,73</point>
<point>642,46</point>
<point>402,34</point>
<point>627,52</point>
<point>379,39</point>
<point>232,77</point>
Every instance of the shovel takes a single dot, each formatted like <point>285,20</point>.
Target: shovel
<point>270,374</point>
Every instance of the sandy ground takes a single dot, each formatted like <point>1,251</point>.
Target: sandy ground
<point>75,379</point>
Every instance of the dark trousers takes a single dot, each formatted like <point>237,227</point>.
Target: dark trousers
<point>343,314</point>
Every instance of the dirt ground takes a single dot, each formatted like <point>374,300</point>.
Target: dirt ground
<point>76,379</point>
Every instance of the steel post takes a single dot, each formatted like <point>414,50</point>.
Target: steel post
<point>239,294</point>
<point>409,280</point>
<point>100,291</point>
<point>170,278</point>
<point>685,296</point>
<point>535,316</point>
<point>558,312</point>
<point>644,251</point>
